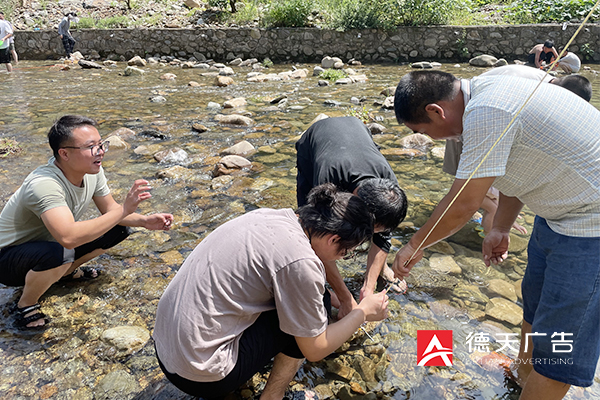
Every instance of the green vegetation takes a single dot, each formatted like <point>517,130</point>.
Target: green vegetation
<point>387,14</point>
<point>360,113</point>
<point>333,74</point>
<point>288,13</point>
<point>360,14</point>
<point>333,14</point>
<point>587,51</point>
<point>267,63</point>
<point>9,147</point>
<point>539,11</point>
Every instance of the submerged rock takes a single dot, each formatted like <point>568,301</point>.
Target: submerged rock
<point>116,385</point>
<point>127,339</point>
<point>234,119</point>
<point>132,71</point>
<point>137,61</point>
<point>240,148</point>
<point>504,310</point>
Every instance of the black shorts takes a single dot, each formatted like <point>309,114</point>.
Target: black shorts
<point>5,56</point>
<point>17,261</point>
<point>258,345</point>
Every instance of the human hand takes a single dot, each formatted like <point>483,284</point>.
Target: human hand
<point>137,194</point>
<point>159,221</point>
<point>403,262</point>
<point>495,247</point>
<point>364,292</point>
<point>345,307</point>
<point>375,306</point>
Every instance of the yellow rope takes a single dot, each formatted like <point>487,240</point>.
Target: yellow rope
<point>502,135</point>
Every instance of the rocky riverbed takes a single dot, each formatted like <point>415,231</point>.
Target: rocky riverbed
<point>213,151</point>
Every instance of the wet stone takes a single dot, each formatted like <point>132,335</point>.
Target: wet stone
<point>504,310</point>
<point>499,287</point>
<point>127,339</point>
<point>116,385</point>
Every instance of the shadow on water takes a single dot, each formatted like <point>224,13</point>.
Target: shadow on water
<point>449,290</point>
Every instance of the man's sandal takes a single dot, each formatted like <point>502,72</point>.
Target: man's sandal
<point>89,273</point>
<point>21,321</point>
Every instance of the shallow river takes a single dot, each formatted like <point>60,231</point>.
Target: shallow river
<point>450,290</point>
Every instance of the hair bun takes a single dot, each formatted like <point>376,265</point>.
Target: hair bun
<point>322,195</point>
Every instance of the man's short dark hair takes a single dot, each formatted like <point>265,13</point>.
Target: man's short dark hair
<point>62,130</point>
<point>577,84</point>
<point>386,201</point>
<point>549,44</point>
<point>416,90</point>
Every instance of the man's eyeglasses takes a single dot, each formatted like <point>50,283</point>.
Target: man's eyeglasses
<point>95,148</point>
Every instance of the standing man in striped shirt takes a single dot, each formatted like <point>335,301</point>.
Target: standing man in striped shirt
<point>549,159</point>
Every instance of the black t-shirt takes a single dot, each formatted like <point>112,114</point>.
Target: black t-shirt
<point>340,151</point>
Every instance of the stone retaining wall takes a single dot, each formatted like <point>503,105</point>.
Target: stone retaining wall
<point>438,43</point>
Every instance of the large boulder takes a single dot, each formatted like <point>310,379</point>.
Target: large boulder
<point>89,65</point>
<point>137,61</point>
<point>132,71</point>
<point>483,60</point>
<point>330,62</point>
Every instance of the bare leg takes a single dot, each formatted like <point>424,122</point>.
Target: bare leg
<point>8,67</point>
<point>15,57</point>
<point>284,370</point>
<point>82,261</point>
<point>539,387</point>
<point>38,282</point>
<point>524,366</point>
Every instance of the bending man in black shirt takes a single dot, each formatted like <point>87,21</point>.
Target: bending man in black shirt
<point>341,151</point>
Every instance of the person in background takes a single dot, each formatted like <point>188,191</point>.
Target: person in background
<point>6,33</point>
<point>541,53</point>
<point>253,289</point>
<point>569,62</point>
<point>65,34</point>
<point>341,151</point>
<point>13,52</point>
<point>42,236</point>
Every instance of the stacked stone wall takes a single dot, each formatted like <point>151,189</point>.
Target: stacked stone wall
<point>405,44</point>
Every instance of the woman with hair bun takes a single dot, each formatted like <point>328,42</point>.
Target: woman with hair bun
<point>253,289</point>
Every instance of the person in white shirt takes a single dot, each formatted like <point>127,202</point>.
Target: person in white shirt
<point>5,34</point>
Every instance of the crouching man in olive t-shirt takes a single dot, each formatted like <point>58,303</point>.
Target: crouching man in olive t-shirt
<point>41,236</point>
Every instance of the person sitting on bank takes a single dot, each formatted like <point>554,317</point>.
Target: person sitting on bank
<point>341,151</point>
<point>254,289</point>
<point>569,62</point>
<point>42,238</point>
<point>541,53</point>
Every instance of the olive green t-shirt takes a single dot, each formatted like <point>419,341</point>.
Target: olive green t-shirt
<point>43,189</point>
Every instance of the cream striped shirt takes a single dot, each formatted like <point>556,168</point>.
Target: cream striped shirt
<point>549,158</point>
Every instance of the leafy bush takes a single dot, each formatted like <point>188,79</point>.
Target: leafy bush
<point>360,14</point>
<point>540,11</point>
<point>425,12</point>
<point>288,13</point>
<point>248,11</point>
<point>333,74</point>
<point>85,22</point>
<point>121,21</point>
